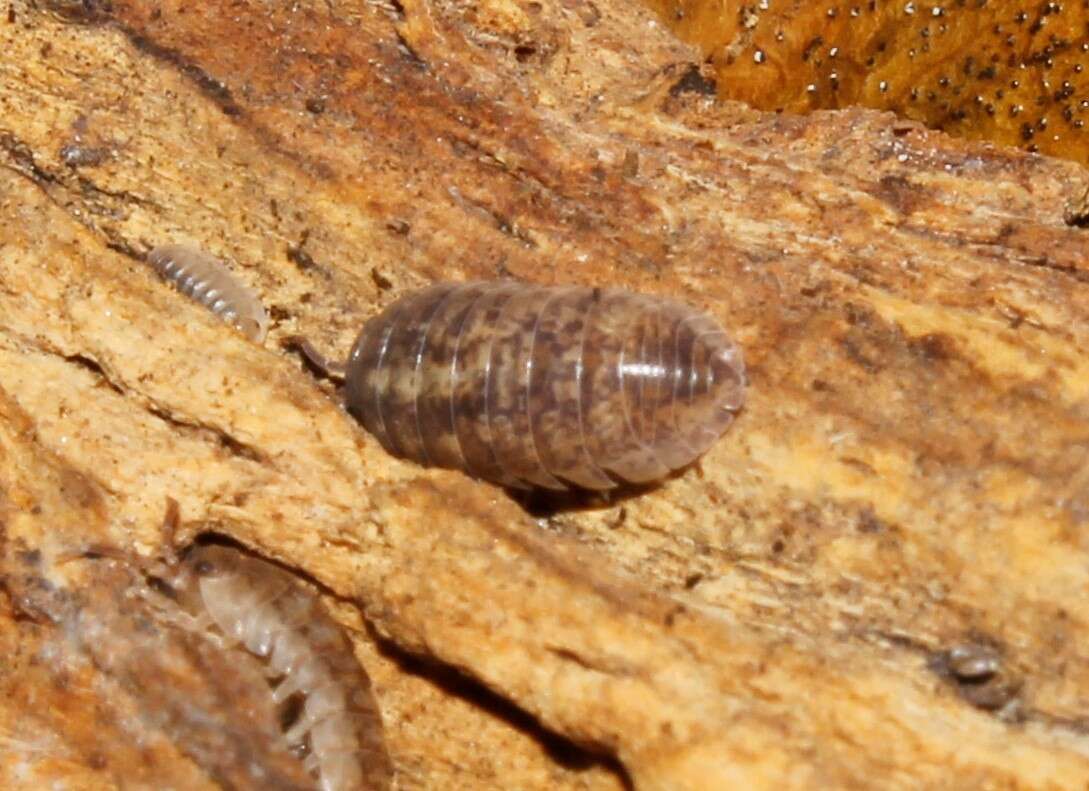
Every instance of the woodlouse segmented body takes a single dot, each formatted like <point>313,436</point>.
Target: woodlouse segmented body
<point>260,606</point>
<point>207,280</point>
<point>545,385</point>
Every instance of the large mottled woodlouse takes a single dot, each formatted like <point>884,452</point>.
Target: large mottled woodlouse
<point>545,386</point>
<point>250,602</point>
<point>207,280</point>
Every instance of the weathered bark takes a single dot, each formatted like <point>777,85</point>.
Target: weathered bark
<point>909,474</point>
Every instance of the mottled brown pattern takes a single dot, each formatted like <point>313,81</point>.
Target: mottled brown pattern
<point>545,386</point>
<point>262,607</point>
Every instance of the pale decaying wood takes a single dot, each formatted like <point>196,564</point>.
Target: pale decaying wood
<point>908,476</point>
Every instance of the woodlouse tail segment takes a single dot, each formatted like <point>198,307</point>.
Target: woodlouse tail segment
<point>251,328</point>
<point>382,370</point>
<point>707,390</point>
<point>620,338</point>
<point>660,383</point>
<point>726,382</point>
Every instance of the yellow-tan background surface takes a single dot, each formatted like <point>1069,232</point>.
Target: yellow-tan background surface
<point>909,475</point>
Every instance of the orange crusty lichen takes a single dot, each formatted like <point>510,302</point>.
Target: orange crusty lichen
<point>1003,70</point>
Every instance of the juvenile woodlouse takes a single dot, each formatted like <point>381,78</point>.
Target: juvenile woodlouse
<point>547,386</point>
<point>256,604</point>
<point>206,279</point>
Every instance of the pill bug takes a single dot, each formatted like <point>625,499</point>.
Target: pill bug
<point>206,279</point>
<point>972,663</point>
<point>249,602</point>
<point>982,677</point>
<point>545,386</point>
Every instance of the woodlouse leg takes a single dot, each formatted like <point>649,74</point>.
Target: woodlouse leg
<point>314,359</point>
<point>286,688</point>
<point>93,552</point>
<point>171,522</point>
<point>304,724</point>
<point>298,731</point>
<point>271,672</point>
<point>169,613</point>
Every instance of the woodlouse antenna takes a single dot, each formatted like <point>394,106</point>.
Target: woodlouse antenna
<point>171,523</point>
<point>94,552</point>
<point>315,360</point>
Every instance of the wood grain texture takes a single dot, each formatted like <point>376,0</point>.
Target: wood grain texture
<point>908,476</point>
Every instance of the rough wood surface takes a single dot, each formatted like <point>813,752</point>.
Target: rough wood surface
<point>909,475</point>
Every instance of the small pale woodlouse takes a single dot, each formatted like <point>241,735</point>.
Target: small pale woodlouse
<point>248,602</point>
<point>547,386</point>
<point>207,280</point>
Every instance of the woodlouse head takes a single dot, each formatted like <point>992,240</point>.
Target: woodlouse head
<point>199,566</point>
<point>210,560</point>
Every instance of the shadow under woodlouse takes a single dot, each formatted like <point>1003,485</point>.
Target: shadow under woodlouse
<point>543,503</point>
<point>450,681</point>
